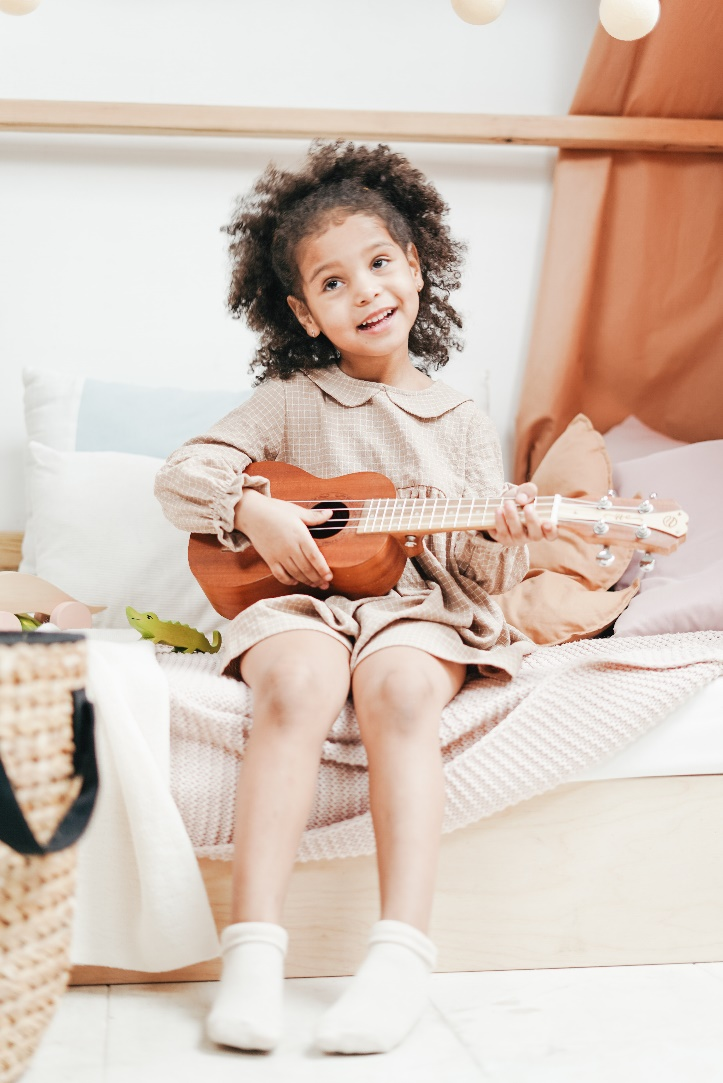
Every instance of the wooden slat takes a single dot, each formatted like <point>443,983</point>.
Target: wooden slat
<point>571,132</point>
<point>10,550</point>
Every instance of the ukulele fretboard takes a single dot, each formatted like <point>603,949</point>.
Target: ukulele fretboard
<point>415,516</point>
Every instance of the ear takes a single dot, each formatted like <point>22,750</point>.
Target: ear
<point>415,266</point>
<point>303,316</point>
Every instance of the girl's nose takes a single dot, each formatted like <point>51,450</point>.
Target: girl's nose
<point>366,288</point>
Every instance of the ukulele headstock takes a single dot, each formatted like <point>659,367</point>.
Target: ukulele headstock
<point>648,524</point>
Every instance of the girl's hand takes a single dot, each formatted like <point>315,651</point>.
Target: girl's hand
<point>510,529</point>
<point>278,532</point>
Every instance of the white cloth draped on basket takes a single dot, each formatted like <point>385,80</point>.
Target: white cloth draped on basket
<point>141,903</point>
<point>502,741</point>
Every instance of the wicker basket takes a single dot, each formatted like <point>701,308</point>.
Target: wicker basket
<point>47,757</point>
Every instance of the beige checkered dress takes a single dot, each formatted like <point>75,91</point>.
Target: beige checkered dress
<point>431,443</point>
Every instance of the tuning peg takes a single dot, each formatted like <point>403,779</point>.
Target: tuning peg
<point>647,563</point>
<point>604,503</point>
<point>605,557</point>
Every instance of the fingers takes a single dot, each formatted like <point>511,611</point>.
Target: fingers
<point>314,516</point>
<point>508,525</point>
<point>304,564</point>
<point>309,565</point>
<point>513,528</point>
<point>282,575</point>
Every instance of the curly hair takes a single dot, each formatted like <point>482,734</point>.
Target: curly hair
<point>283,208</point>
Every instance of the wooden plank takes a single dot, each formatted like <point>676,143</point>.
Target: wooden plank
<point>10,551</point>
<point>607,873</point>
<point>570,132</point>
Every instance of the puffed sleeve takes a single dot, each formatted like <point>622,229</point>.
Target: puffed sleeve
<point>201,483</point>
<point>494,567</point>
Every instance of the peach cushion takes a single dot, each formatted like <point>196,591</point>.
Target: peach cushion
<point>565,595</point>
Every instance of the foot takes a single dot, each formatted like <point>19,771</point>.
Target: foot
<point>247,1010</point>
<point>387,995</point>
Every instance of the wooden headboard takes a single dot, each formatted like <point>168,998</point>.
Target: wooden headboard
<point>10,546</point>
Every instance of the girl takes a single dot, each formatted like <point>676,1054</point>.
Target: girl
<point>345,269</point>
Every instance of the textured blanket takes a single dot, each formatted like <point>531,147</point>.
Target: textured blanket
<point>502,741</point>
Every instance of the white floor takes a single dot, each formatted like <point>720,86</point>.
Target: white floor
<point>642,1024</point>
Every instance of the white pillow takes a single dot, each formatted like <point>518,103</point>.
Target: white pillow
<point>77,413</point>
<point>100,535</point>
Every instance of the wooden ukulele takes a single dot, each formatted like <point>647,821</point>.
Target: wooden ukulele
<point>371,533</point>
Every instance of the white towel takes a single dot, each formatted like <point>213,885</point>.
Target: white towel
<point>141,900</point>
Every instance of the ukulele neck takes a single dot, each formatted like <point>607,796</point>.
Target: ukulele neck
<point>416,516</point>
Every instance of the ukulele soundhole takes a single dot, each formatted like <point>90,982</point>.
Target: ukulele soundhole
<point>336,524</point>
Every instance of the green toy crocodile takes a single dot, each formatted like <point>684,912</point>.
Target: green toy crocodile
<point>172,633</point>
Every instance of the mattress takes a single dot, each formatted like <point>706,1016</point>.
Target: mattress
<point>501,742</point>
<point>689,741</point>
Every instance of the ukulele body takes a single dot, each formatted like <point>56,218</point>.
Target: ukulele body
<point>362,565</point>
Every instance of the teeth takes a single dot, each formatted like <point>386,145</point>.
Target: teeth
<point>377,319</point>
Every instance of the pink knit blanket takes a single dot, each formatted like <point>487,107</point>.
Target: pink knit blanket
<point>502,741</point>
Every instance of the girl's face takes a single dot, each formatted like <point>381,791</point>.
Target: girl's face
<point>359,288</point>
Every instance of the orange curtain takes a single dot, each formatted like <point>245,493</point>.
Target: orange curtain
<point>630,311</point>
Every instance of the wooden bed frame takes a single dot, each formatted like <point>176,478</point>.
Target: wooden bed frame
<point>608,873</point>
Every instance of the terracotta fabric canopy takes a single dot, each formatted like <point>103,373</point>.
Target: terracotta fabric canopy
<point>630,310</point>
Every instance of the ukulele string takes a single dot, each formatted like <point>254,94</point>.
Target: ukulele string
<point>407,508</point>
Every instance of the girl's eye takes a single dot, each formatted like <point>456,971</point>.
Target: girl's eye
<point>380,261</point>
<point>332,284</point>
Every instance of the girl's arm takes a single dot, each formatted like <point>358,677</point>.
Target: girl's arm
<point>203,489</point>
<point>495,566</point>
<point>201,484</point>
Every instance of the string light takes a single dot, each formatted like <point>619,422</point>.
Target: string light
<point>626,20</point>
<point>18,7</point>
<point>629,20</point>
<point>478,12</point>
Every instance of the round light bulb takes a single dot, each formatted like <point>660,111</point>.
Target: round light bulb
<point>628,20</point>
<point>478,12</point>
<point>18,7</point>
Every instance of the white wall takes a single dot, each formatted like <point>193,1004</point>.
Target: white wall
<point>112,263</point>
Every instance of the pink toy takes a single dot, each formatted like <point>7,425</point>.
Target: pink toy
<point>28,594</point>
<point>71,615</point>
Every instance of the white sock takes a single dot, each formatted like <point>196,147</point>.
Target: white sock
<point>387,995</point>
<point>247,1010</point>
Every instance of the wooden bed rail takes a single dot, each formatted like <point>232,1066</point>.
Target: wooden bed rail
<point>10,549</point>
<point>680,135</point>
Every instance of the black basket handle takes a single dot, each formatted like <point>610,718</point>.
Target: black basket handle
<point>14,829</point>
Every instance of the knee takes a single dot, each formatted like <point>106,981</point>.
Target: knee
<point>393,703</point>
<point>286,697</point>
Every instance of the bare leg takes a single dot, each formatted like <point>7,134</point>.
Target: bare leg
<point>299,681</point>
<point>399,693</point>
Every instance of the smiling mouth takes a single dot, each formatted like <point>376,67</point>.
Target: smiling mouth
<point>378,321</point>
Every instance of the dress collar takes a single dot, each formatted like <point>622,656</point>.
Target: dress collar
<point>432,401</point>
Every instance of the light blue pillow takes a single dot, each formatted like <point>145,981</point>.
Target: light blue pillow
<point>73,413</point>
<point>147,420</point>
